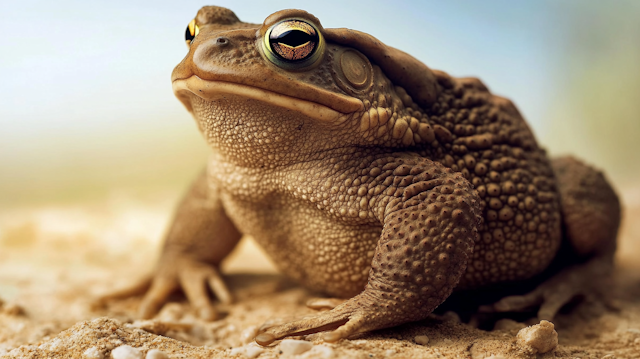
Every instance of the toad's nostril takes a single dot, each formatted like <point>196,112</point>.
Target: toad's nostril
<point>222,41</point>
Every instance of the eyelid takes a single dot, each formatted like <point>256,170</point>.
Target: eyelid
<point>193,28</point>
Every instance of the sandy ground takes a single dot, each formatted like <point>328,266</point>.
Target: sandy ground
<point>55,260</point>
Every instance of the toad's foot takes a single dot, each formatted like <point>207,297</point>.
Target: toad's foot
<point>191,275</point>
<point>550,296</point>
<point>357,315</point>
<point>200,237</point>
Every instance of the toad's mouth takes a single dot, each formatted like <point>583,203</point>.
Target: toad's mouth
<point>211,90</point>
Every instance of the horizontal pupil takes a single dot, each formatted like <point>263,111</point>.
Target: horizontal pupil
<point>294,38</point>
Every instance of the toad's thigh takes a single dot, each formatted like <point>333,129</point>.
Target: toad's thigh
<point>516,249</point>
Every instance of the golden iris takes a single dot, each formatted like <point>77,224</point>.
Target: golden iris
<point>293,43</point>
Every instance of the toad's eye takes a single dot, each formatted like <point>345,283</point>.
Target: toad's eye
<point>191,32</point>
<point>293,44</point>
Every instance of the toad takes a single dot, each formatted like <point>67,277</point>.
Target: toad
<point>370,177</point>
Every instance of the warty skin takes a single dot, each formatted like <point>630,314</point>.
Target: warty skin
<point>368,176</point>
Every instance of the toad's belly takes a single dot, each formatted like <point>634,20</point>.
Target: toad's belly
<point>326,254</point>
<point>319,251</point>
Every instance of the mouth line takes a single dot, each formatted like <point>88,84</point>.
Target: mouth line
<point>213,90</point>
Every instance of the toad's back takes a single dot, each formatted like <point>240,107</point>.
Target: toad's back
<point>485,138</point>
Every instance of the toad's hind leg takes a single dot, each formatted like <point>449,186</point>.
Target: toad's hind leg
<point>591,216</point>
<point>590,207</point>
<point>430,222</point>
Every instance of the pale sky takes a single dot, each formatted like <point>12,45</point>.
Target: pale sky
<point>75,66</point>
<point>86,83</point>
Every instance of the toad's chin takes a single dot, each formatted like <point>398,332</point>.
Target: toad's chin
<point>214,90</point>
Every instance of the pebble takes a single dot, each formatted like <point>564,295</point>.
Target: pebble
<point>93,353</point>
<point>321,351</point>
<point>542,337</point>
<point>294,347</point>
<point>171,312</point>
<point>247,335</point>
<point>421,339</point>
<point>156,354</point>
<point>451,316</point>
<point>126,352</point>
<point>250,350</point>
<point>634,330</point>
<point>12,309</point>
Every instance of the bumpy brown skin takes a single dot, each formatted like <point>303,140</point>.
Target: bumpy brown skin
<point>377,179</point>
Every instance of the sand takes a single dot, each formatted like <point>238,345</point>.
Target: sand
<point>55,260</point>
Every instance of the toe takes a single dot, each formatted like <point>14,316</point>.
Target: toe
<point>161,288</point>
<point>552,304</point>
<point>515,303</point>
<point>194,284</point>
<point>219,288</point>
<point>137,289</point>
<point>351,327</point>
<point>326,321</point>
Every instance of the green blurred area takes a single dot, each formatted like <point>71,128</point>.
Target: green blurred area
<point>595,111</point>
<point>139,163</point>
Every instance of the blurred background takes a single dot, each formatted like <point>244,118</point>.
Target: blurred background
<point>87,111</point>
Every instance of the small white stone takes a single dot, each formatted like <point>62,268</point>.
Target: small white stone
<point>319,352</point>
<point>126,352</point>
<point>52,346</point>
<point>93,353</point>
<point>540,337</point>
<point>248,334</point>
<point>156,354</point>
<point>237,351</point>
<point>421,339</point>
<point>252,351</point>
<point>634,330</point>
<point>451,316</point>
<point>294,347</point>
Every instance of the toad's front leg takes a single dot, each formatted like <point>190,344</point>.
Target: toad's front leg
<point>430,217</point>
<point>200,237</point>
